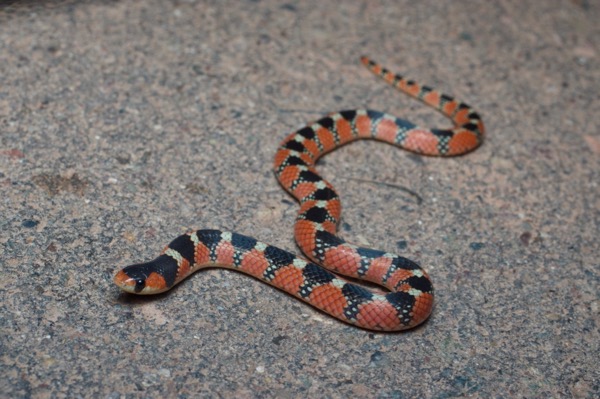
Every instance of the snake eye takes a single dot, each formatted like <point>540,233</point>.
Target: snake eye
<point>140,283</point>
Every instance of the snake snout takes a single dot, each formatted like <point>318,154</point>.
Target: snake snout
<point>141,279</point>
<point>129,282</point>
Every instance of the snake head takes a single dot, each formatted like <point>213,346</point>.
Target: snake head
<point>141,279</point>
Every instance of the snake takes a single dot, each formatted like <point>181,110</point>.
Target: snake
<point>407,299</point>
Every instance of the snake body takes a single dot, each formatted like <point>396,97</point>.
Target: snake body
<point>410,298</point>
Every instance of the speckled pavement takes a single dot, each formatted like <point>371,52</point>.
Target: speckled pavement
<point>125,123</point>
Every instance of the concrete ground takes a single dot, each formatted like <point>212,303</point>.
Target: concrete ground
<point>125,123</point>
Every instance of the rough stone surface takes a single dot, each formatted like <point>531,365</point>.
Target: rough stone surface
<point>125,123</point>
